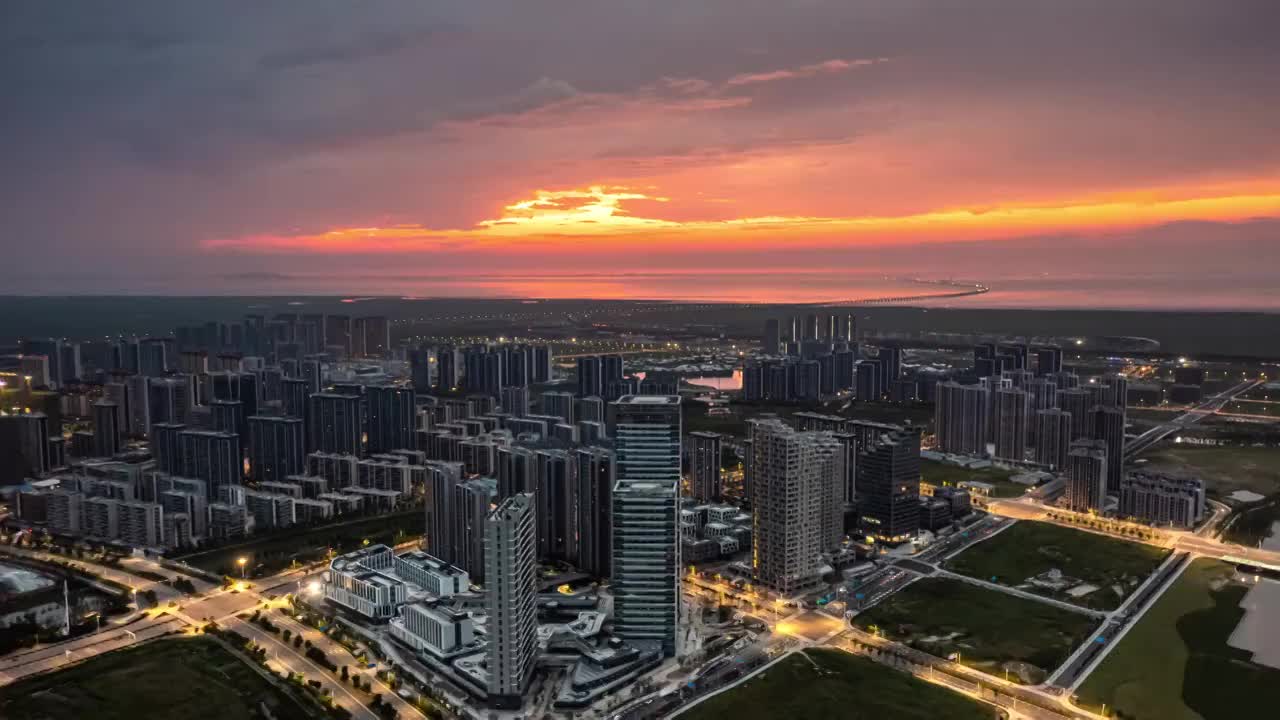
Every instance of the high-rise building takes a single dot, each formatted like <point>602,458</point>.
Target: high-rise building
<point>213,457</point>
<point>515,401</point>
<point>24,447</point>
<point>890,358</point>
<point>868,387</point>
<point>889,486</point>
<point>1075,402</point>
<point>559,404</point>
<point>511,598</point>
<point>437,537</point>
<point>1012,410</point>
<point>376,332</point>
<point>772,339</point>
<point>515,470</point>
<point>704,466</point>
<point>471,506</point>
<point>1087,476</point>
<point>960,418</point>
<point>1053,438</point>
<point>277,448</point>
<point>1162,500</point>
<point>595,478</point>
<point>590,379</point>
<point>811,326</point>
<point>796,508</point>
<point>1108,426</point>
<point>1048,360</point>
<point>51,350</point>
<point>106,428</point>
<point>334,423</point>
<point>542,370</point>
<point>555,493</point>
<point>392,418</point>
<point>646,528</point>
<point>420,363</point>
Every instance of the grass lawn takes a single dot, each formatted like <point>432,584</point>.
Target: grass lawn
<point>1175,664</point>
<point>1029,548</point>
<point>987,628</point>
<point>837,684</point>
<point>276,551</point>
<point>180,679</point>
<point>1224,469</point>
<point>938,473</point>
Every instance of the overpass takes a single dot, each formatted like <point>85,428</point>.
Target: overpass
<point>1209,406</point>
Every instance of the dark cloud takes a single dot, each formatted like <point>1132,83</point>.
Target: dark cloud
<point>132,132</point>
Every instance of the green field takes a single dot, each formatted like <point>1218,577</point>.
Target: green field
<point>822,684</point>
<point>1223,469</point>
<point>1175,663</point>
<point>987,628</point>
<point>179,679</point>
<point>938,473</point>
<point>276,551</point>
<point>1030,548</point>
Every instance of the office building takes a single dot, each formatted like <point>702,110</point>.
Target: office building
<point>432,574</point>
<point>797,512</point>
<point>364,581</point>
<point>511,599</point>
<point>889,486</point>
<point>590,378</point>
<point>646,530</point>
<point>704,466</point>
<point>434,627</point>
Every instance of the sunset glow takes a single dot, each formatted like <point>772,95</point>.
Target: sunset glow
<point>580,217</point>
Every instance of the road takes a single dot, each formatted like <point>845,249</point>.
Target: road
<point>1194,415</point>
<point>1182,540</point>
<point>210,604</point>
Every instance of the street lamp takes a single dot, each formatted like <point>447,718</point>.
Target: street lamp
<point>242,561</point>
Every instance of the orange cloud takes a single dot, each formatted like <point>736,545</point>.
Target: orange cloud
<point>560,218</point>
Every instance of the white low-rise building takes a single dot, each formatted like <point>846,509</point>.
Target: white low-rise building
<point>434,628</point>
<point>364,581</point>
<point>432,574</point>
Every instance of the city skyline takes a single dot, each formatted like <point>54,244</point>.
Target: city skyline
<point>1066,156</point>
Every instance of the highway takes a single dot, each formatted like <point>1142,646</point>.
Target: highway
<point>1209,406</point>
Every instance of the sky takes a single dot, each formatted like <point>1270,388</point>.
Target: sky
<point>1085,153</point>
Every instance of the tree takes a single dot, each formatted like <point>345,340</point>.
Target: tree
<point>297,641</point>
<point>287,634</point>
